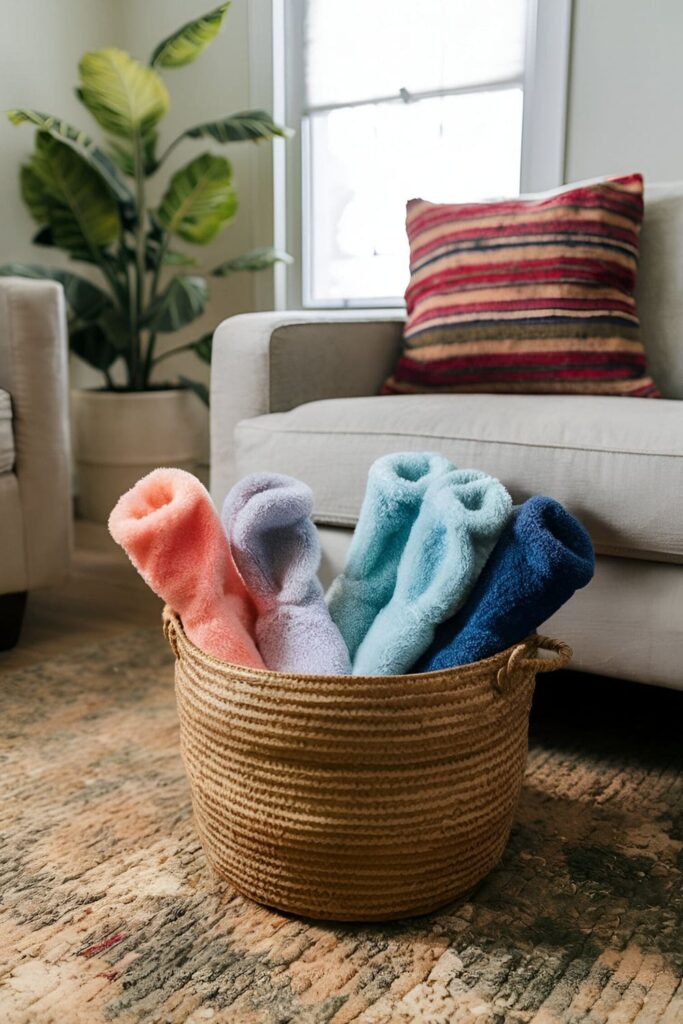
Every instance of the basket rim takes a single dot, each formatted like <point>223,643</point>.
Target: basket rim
<point>517,653</point>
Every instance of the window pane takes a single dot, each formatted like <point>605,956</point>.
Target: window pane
<point>366,162</point>
<point>369,49</point>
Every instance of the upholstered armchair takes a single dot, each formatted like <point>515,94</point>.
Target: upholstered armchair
<point>35,472</point>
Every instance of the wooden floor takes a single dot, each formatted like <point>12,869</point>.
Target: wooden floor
<point>104,597</point>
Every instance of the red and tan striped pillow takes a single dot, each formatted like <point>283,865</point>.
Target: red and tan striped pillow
<point>527,295</point>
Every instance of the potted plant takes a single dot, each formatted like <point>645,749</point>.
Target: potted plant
<point>90,201</point>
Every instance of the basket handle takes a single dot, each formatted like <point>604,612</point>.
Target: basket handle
<point>547,643</point>
<point>519,659</point>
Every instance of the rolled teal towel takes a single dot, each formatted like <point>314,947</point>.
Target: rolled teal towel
<point>461,517</point>
<point>276,549</point>
<point>542,557</point>
<point>395,491</point>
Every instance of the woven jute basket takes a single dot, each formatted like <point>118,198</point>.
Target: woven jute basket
<point>355,799</point>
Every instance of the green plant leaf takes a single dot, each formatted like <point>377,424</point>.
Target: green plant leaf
<point>256,259</point>
<point>247,126</point>
<point>203,347</point>
<point>117,329</point>
<point>45,238</point>
<point>82,144</point>
<point>179,304</point>
<point>122,152</point>
<point>200,390</point>
<point>172,258</point>
<point>85,299</point>
<point>34,195</point>
<point>188,42</point>
<point>125,97</point>
<point>60,184</point>
<point>199,200</point>
<point>91,344</point>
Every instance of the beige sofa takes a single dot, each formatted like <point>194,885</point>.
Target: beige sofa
<point>297,393</point>
<point>35,492</point>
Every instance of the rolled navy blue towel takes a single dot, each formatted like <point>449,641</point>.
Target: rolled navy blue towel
<point>543,556</point>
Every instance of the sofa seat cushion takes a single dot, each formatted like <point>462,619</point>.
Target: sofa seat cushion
<point>6,433</point>
<point>617,463</point>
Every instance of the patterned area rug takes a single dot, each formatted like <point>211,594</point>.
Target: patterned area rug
<point>109,912</point>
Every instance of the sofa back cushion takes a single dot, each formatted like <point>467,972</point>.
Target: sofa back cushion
<point>526,295</point>
<point>659,286</point>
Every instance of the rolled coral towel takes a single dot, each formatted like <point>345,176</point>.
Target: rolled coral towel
<point>171,532</point>
<point>462,516</point>
<point>543,556</point>
<point>275,545</point>
<point>395,491</point>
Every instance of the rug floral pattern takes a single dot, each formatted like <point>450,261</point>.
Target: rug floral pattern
<point>109,912</point>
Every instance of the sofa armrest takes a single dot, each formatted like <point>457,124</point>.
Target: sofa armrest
<point>273,362</point>
<point>34,370</point>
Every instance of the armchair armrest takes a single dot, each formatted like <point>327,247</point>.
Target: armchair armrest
<point>34,370</point>
<point>273,362</point>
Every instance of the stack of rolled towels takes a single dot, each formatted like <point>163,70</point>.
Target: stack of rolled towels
<point>442,569</point>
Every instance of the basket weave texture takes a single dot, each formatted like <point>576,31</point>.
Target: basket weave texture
<point>351,798</point>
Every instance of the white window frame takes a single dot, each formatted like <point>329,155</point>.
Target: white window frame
<point>277,82</point>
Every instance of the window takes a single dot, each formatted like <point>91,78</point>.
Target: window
<point>400,98</point>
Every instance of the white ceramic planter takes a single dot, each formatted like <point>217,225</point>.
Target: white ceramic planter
<point>120,436</point>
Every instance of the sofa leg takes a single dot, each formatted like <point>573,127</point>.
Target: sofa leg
<point>12,607</point>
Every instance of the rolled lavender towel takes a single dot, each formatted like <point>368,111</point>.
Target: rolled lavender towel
<point>396,487</point>
<point>275,545</point>
<point>171,532</point>
<point>461,518</point>
<point>543,556</point>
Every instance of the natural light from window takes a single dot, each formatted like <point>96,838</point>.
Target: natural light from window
<point>402,100</point>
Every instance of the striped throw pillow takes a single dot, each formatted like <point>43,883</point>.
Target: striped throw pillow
<point>526,295</point>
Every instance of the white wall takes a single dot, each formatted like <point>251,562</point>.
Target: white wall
<point>625,87</point>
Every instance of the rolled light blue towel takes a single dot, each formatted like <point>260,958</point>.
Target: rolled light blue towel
<point>396,487</point>
<point>461,517</point>
<point>543,556</point>
<point>276,548</point>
